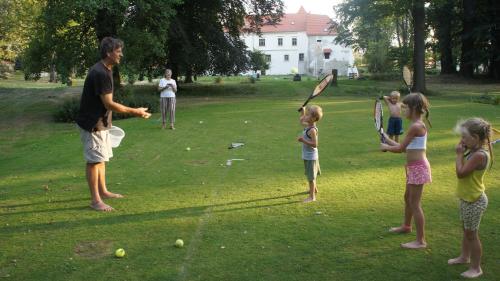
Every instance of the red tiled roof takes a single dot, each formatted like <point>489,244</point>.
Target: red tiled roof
<point>312,24</point>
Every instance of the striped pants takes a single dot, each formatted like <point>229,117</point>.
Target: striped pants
<point>167,106</point>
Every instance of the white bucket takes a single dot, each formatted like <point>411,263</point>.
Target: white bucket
<point>116,135</point>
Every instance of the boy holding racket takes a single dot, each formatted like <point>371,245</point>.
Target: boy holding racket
<point>309,116</point>
<point>395,126</point>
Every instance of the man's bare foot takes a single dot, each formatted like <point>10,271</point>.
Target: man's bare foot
<point>459,260</point>
<point>414,245</point>
<point>101,206</point>
<point>108,194</point>
<point>309,199</point>
<point>472,273</point>
<point>400,229</point>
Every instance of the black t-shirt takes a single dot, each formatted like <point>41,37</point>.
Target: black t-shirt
<point>93,116</point>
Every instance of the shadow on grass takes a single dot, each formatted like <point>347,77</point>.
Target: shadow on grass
<point>147,216</point>
<point>44,202</point>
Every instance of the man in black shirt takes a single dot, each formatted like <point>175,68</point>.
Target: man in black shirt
<point>94,120</point>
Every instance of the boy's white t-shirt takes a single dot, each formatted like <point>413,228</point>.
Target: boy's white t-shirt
<point>168,92</point>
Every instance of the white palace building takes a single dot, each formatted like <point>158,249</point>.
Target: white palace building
<point>301,41</point>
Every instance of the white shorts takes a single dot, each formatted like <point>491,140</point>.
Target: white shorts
<point>96,146</point>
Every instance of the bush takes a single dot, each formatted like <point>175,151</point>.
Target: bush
<point>386,76</point>
<point>131,96</point>
<point>487,99</point>
<point>68,111</point>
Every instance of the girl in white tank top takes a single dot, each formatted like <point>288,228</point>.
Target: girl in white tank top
<point>418,170</point>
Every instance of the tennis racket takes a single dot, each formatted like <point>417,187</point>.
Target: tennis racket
<point>323,84</point>
<point>407,78</point>
<point>378,118</point>
<point>495,136</point>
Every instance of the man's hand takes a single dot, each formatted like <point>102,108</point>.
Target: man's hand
<point>142,112</point>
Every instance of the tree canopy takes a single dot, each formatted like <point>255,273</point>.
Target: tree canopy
<point>189,36</point>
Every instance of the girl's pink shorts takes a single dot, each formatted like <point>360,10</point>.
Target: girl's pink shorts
<point>418,172</point>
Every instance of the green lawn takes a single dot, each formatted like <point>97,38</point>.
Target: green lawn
<point>239,222</point>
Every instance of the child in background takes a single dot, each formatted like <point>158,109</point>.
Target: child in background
<point>418,170</point>
<point>167,87</point>
<point>395,125</point>
<point>309,116</point>
<point>472,162</point>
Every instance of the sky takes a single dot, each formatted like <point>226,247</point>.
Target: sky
<point>322,7</point>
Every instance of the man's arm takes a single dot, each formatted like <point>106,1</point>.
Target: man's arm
<point>107,100</point>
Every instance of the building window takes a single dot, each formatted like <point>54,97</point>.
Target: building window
<point>262,42</point>
<point>280,41</point>
<point>287,57</point>
<point>294,41</point>
<point>319,40</point>
<point>327,56</point>
<point>268,58</point>
<point>301,57</point>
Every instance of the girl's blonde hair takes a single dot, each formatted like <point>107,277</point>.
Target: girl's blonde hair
<point>418,103</point>
<point>479,127</point>
<point>315,112</point>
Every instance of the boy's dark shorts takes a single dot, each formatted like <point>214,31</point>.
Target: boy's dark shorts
<point>395,126</point>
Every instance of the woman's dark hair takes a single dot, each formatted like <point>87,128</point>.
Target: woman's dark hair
<point>108,45</point>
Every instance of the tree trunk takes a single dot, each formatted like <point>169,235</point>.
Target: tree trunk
<point>52,74</point>
<point>418,12</point>
<point>466,62</point>
<point>494,65</point>
<point>444,35</point>
<point>189,75</point>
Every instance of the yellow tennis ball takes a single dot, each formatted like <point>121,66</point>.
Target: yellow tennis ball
<point>120,253</point>
<point>179,243</point>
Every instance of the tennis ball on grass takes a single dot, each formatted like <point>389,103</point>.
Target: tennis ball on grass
<point>120,253</point>
<point>188,148</point>
<point>179,243</point>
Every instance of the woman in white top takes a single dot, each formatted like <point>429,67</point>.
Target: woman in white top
<point>167,88</point>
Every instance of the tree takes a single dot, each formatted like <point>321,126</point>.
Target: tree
<point>17,23</point>
<point>205,35</point>
<point>258,61</point>
<point>418,13</point>
<point>442,16</point>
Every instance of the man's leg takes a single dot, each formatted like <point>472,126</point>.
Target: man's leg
<point>103,190</point>
<point>92,172</point>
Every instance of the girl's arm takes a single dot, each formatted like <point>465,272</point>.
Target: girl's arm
<point>392,146</point>
<point>477,161</point>
<point>314,139</point>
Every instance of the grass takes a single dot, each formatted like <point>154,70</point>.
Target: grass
<point>242,222</point>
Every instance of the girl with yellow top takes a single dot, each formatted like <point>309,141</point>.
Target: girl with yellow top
<point>472,162</point>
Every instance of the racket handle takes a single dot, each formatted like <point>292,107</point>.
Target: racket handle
<point>300,109</point>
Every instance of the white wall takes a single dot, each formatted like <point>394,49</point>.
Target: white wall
<point>305,44</point>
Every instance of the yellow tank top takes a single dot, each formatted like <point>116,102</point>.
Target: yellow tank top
<point>472,186</point>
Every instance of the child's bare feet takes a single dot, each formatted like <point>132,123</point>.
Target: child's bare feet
<point>400,229</point>
<point>459,260</point>
<point>309,199</point>
<point>414,245</point>
<point>472,273</point>
<point>101,206</point>
<point>110,195</point>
